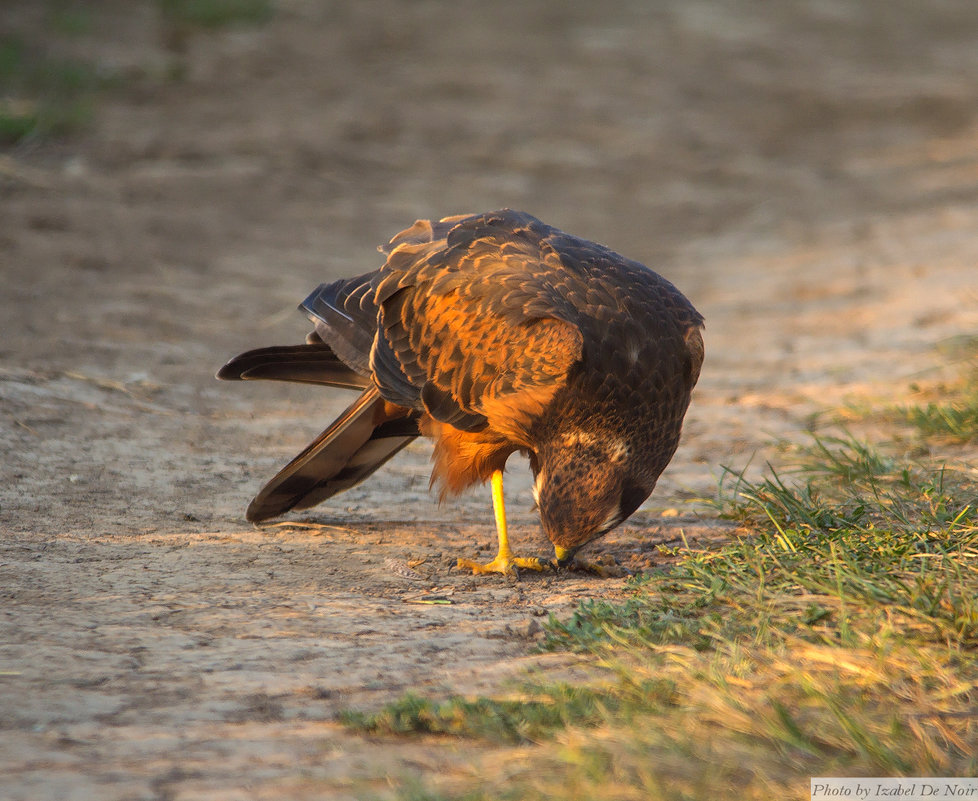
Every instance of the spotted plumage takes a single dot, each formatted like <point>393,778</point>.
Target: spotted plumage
<point>495,333</point>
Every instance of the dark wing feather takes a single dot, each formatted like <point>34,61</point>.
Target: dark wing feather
<point>636,324</point>
<point>345,318</point>
<point>305,364</point>
<point>358,442</point>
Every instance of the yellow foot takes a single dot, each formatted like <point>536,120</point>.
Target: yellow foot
<point>507,564</point>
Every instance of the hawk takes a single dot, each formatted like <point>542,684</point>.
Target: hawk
<point>495,333</point>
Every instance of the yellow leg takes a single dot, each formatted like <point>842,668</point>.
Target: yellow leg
<point>504,561</point>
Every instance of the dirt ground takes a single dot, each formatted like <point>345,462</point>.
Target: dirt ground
<point>807,172</point>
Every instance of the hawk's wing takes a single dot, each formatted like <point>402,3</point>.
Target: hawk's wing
<point>467,327</point>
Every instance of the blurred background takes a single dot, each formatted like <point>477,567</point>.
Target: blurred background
<point>195,134</point>
<point>645,122</point>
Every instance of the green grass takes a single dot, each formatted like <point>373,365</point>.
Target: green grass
<point>953,414</point>
<point>531,718</point>
<point>216,13</point>
<point>42,95</point>
<point>956,419</point>
<point>69,19</point>
<point>836,634</point>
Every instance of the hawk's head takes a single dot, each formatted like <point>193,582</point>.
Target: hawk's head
<point>586,484</point>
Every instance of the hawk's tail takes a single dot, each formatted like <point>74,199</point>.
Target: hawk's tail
<point>365,436</point>
<point>313,363</point>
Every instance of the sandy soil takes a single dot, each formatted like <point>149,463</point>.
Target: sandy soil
<point>806,172</point>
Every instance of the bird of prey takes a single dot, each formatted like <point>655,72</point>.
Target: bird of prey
<point>495,333</point>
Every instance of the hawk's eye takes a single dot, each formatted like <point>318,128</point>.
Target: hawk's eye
<point>632,496</point>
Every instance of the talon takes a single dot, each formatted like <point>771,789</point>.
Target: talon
<point>504,563</point>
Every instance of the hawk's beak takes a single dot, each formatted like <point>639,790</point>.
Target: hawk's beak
<point>564,556</point>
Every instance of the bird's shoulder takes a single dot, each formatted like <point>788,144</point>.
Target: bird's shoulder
<point>510,265</point>
<point>469,319</point>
